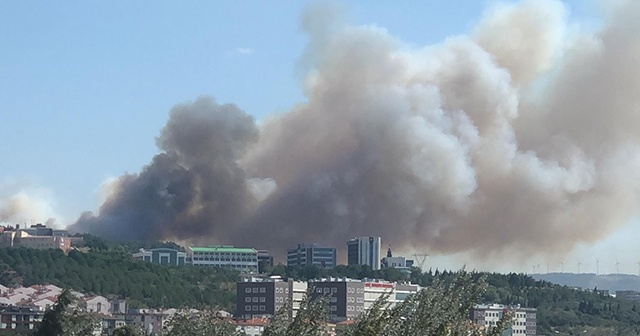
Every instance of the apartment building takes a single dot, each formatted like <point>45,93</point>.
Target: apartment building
<point>20,319</point>
<point>162,256</point>
<point>312,254</point>
<point>262,297</point>
<point>364,251</point>
<point>350,298</point>
<point>523,322</point>
<point>242,259</point>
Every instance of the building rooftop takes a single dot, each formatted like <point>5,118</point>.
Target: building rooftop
<point>223,249</point>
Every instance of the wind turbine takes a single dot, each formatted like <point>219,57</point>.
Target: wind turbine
<point>638,268</point>
<point>579,263</point>
<point>562,267</point>
<point>617,266</point>
<point>547,268</point>
<point>597,266</point>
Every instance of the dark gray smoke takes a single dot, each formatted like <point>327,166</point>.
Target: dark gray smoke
<point>525,134</point>
<point>193,188</point>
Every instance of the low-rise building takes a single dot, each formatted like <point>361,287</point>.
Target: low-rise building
<point>523,320</point>
<point>162,256</point>
<point>98,304</point>
<point>253,326</point>
<point>20,319</point>
<point>242,259</point>
<point>150,321</point>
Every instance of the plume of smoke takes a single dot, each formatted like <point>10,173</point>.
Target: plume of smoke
<point>192,189</point>
<point>454,147</point>
<point>25,205</point>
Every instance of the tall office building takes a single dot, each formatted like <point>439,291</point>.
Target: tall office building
<point>364,251</point>
<point>312,254</point>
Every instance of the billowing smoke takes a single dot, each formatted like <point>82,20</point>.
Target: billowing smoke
<point>523,137</point>
<point>194,188</point>
<point>24,205</point>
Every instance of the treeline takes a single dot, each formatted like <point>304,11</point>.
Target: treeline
<point>111,273</point>
<point>108,269</point>
<point>561,310</point>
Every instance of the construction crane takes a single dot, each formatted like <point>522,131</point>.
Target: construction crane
<point>420,259</point>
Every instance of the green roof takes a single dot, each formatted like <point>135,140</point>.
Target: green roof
<point>224,249</point>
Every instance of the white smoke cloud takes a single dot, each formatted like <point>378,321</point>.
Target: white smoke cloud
<point>22,203</point>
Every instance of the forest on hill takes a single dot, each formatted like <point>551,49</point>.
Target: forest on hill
<point>111,273</point>
<point>108,270</point>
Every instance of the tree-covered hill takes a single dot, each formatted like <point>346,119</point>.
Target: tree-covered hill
<point>114,273</point>
<point>110,270</point>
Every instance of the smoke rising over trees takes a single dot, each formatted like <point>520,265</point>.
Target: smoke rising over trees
<point>523,134</point>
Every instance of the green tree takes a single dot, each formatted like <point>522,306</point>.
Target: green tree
<point>126,331</point>
<point>202,324</point>
<point>65,318</point>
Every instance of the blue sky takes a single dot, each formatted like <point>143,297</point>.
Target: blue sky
<point>85,87</point>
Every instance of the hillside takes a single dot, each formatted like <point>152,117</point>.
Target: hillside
<point>116,273</point>
<point>561,310</point>
<point>611,282</point>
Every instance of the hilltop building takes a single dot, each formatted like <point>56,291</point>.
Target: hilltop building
<point>162,256</point>
<point>364,251</point>
<point>265,258</point>
<point>312,254</point>
<point>36,236</point>
<point>242,259</point>
<point>400,263</point>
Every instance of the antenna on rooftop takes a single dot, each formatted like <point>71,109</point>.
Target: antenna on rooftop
<point>420,259</point>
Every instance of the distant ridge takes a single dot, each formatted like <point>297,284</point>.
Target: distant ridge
<point>611,282</point>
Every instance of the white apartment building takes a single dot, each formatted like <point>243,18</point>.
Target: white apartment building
<point>523,322</point>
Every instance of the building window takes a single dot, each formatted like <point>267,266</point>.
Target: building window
<point>263,308</point>
<point>247,308</point>
<point>247,299</point>
<point>254,308</point>
<point>247,290</point>
<point>263,290</point>
<point>263,299</point>
<point>255,299</point>
<point>334,290</point>
<point>255,290</point>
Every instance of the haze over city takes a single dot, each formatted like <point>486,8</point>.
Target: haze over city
<point>490,135</point>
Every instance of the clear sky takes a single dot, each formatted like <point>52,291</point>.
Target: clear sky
<point>85,87</point>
